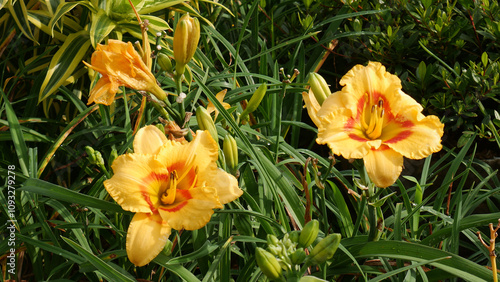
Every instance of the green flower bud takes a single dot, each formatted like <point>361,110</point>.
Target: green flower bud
<point>319,87</point>
<point>325,249</point>
<point>268,264</point>
<point>205,122</point>
<point>99,158</point>
<point>91,154</point>
<point>230,150</point>
<point>186,38</point>
<point>112,156</point>
<point>254,102</point>
<point>309,233</point>
<point>165,62</point>
<point>299,256</point>
<point>294,236</point>
<point>272,240</point>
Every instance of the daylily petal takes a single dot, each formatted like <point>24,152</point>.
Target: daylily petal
<point>146,237</point>
<point>198,155</point>
<point>225,184</point>
<point>136,182</point>
<point>220,97</point>
<point>349,142</point>
<point>103,92</point>
<point>312,106</point>
<point>418,141</point>
<point>149,140</point>
<point>383,166</point>
<point>192,209</point>
<point>372,79</point>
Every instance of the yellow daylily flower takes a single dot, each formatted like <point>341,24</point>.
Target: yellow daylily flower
<point>220,97</point>
<point>372,118</point>
<point>120,65</point>
<point>168,184</point>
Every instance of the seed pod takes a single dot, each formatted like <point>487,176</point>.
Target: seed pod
<point>268,264</point>
<point>325,249</point>
<point>309,233</point>
<point>319,87</point>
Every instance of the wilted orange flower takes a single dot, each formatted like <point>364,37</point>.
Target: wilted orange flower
<point>120,65</point>
<point>372,118</point>
<point>168,184</point>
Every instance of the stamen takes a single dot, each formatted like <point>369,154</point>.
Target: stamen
<point>168,197</point>
<point>380,103</point>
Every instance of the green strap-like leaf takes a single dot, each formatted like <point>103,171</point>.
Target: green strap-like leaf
<point>20,15</point>
<point>64,63</point>
<point>456,266</point>
<point>63,9</point>
<point>101,27</point>
<point>57,192</point>
<point>106,269</point>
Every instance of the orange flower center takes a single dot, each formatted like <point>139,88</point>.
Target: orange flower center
<point>171,188</point>
<point>373,118</point>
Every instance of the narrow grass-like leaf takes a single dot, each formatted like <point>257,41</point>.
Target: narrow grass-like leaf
<point>64,62</point>
<point>406,268</point>
<point>19,12</point>
<point>110,272</point>
<point>100,28</point>
<point>456,266</point>
<point>63,194</point>
<point>66,131</point>
<point>56,250</point>
<point>17,135</point>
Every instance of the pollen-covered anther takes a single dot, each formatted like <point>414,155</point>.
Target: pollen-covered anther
<point>168,196</point>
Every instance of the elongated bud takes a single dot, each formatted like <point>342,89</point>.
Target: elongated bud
<point>91,154</point>
<point>165,63</point>
<point>309,233</point>
<point>112,156</point>
<point>319,87</point>
<point>205,122</point>
<point>186,38</point>
<point>272,240</point>
<point>294,236</point>
<point>254,102</point>
<point>230,153</point>
<point>268,263</point>
<point>325,249</point>
<point>298,257</point>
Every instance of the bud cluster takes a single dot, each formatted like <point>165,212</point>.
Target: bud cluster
<point>283,258</point>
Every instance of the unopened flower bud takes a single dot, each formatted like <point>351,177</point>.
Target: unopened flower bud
<point>205,122</point>
<point>91,154</point>
<point>299,256</point>
<point>294,236</point>
<point>325,249</point>
<point>272,240</point>
<point>230,150</point>
<point>254,102</point>
<point>186,37</point>
<point>309,233</point>
<point>165,62</point>
<point>268,264</point>
<point>112,156</point>
<point>319,87</point>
